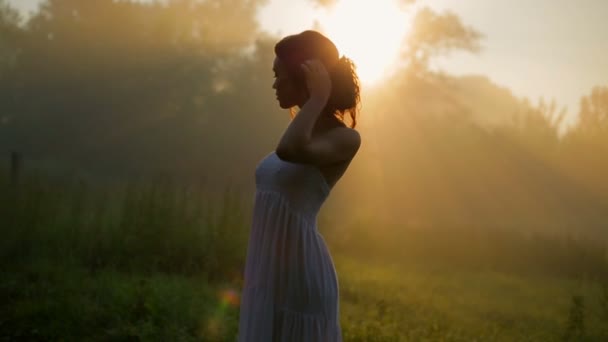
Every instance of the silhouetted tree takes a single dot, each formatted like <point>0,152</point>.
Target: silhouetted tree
<point>9,36</point>
<point>121,89</point>
<point>437,34</point>
<point>586,143</point>
<point>134,87</point>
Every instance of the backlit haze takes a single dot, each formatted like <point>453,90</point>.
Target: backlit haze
<point>542,48</point>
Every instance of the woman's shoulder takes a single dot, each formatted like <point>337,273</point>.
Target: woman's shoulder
<point>347,137</point>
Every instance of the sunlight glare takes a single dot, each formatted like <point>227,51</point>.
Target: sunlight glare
<point>368,32</point>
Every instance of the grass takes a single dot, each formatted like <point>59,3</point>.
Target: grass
<point>54,302</point>
<point>164,263</point>
<point>60,302</point>
<point>409,303</point>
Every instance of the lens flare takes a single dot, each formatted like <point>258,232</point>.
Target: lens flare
<point>229,298</point>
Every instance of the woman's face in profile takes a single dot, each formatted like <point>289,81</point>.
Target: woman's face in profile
<point>286,90</point>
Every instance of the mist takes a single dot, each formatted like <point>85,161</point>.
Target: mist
<point>454,171</point>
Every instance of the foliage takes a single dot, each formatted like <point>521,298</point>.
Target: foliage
<point>463,175</point>
<point>165,262</point>
<point>436,34</point>
<point>163,227</point>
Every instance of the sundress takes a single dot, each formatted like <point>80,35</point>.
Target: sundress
<point>290,289</point>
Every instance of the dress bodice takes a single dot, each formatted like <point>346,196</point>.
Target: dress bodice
<point>302,185</point>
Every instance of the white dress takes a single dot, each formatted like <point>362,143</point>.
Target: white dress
<point>290,289</point>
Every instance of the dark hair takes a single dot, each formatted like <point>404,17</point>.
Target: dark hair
<point>293,50</point>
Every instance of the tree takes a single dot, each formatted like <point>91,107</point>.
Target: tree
<point>586,143</point>
<point>10,32</point>
<point>593,116</point>
<point>437,34</point>
<point>134,87</point>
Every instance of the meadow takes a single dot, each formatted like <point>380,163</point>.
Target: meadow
<point>158,263</point>
<point>470,213</point>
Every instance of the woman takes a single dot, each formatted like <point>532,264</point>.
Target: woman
<point>290,290</point>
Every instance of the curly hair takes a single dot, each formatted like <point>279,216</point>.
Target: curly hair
<point>345,95</point>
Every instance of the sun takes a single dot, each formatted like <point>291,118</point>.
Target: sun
<point>369,32</point>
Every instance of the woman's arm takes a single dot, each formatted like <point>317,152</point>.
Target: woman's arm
<point>339,144</point>
<point>297,144</point>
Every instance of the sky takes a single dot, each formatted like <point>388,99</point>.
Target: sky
<point>551,49</point>
<point>554,49</point>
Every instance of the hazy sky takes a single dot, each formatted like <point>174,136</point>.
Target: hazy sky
<point>537,48</point>
<point>550,48</point>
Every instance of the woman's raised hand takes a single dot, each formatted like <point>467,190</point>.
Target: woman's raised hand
<point>317,80</point>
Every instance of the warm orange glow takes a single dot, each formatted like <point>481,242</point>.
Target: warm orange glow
<point>369,32</point>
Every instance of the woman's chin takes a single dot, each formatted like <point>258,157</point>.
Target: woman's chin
<point>284,105</point>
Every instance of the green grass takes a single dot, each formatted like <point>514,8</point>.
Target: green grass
<point>164,263</point>
<point>51,302</point>
<point>409,303</point>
